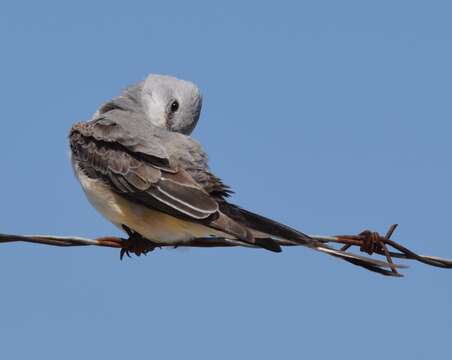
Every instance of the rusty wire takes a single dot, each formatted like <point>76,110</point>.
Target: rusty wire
<point>367,241</point>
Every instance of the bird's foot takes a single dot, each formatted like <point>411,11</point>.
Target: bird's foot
<point>135,244</point>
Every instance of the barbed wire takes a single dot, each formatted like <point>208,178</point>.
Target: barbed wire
<point>367,241</point>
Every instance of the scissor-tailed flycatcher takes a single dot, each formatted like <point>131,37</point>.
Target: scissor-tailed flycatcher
<point>140,168</point>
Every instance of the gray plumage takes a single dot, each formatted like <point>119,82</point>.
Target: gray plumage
<point>137,152</point>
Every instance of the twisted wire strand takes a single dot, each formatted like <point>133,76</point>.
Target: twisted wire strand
<point>367,241</point>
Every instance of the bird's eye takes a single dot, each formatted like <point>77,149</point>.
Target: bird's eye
<point>174,106</point>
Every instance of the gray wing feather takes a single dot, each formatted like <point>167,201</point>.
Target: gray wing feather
<point>135,178</point>
<point>110,128</point>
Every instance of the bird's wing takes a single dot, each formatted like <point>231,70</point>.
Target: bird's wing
<point>143,173</point>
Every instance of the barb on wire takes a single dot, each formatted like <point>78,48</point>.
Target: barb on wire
<point>367,241</point>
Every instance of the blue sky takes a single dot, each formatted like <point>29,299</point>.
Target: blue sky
<point>330,116</point>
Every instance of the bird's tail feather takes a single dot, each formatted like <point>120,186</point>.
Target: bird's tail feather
<point>381,267</point>
<point>282,234</point>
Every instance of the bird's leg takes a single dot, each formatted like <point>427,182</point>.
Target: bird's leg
<point>135,244</point>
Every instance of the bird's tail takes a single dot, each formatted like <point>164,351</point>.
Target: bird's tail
<point>263,228</point>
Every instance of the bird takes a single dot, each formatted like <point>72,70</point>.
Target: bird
<point>142,170</point>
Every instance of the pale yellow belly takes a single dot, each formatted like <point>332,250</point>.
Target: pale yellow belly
<point>151,224</point>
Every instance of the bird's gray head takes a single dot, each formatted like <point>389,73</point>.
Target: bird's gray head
<point>171,103</point>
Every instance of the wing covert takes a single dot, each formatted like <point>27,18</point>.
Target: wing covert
<point>103,153</point>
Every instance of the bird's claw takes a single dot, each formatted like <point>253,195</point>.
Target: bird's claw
<point>138,248</point>
<point>124,252</point>
<point>135,244</point>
